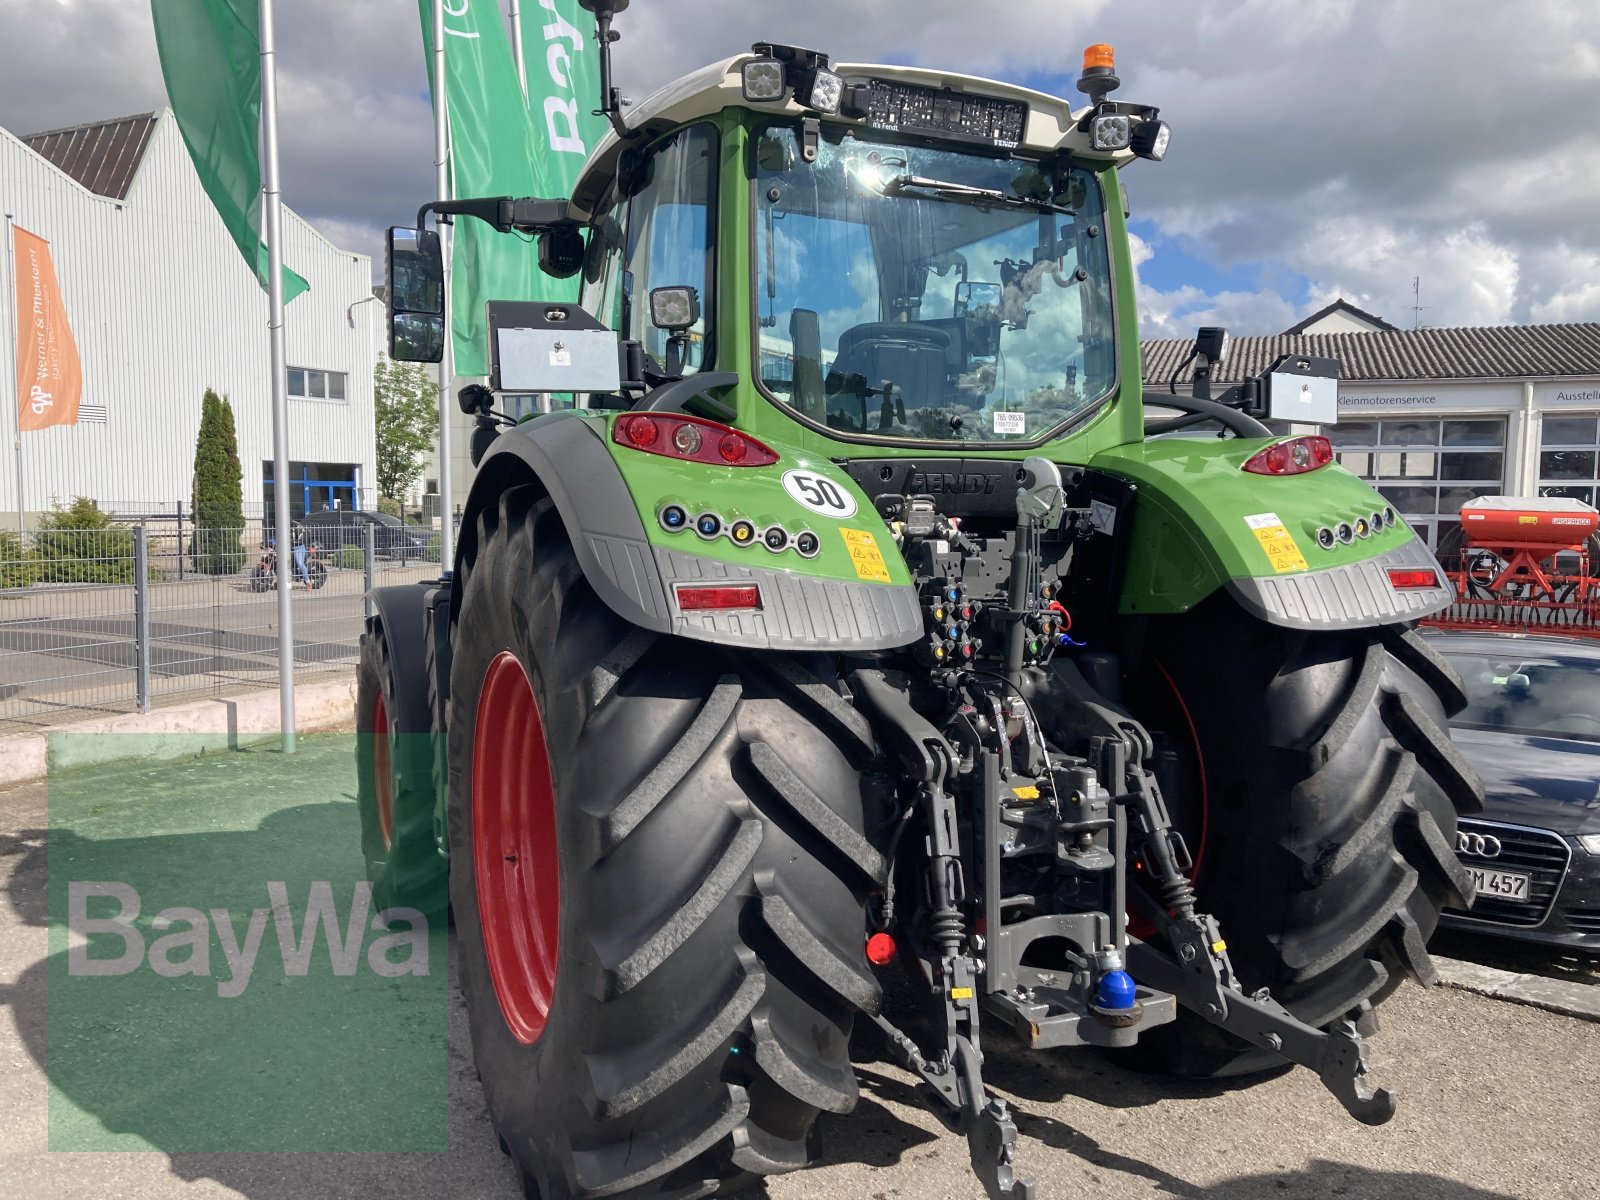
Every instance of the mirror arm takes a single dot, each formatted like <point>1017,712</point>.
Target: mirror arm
<point>525,214</point>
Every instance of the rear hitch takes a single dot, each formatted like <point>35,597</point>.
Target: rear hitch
<point>1202,977</point>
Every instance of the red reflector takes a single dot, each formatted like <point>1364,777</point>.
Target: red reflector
<point>1413,577</point>
<point>881,950</point>
<point>1293,457</point>
<point>692,439</point>
<point>691,599</point>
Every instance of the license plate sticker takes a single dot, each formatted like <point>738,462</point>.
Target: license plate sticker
<point>1502,885</point>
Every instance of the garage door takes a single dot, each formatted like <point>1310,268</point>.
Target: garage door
<point>1427,468</point>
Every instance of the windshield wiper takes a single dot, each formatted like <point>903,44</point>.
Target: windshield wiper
<point>967,193</point>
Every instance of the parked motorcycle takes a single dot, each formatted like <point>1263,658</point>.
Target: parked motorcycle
<point>264,575</point>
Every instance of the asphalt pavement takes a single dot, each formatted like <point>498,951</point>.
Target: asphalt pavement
<point>1496,1100</point>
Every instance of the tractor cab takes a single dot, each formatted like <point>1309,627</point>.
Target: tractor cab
<point>923,260</point>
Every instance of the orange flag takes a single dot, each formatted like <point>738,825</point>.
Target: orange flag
<point>49,375</point>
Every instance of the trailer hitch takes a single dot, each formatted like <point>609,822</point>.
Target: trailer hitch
<point>1202,977</point>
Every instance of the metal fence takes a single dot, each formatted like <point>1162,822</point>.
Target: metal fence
<point>105,620</point>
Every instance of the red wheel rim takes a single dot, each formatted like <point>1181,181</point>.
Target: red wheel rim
<point>383,772</point>
<point>514,848</point>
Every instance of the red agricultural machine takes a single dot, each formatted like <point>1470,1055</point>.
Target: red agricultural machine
<point>1524,563</point>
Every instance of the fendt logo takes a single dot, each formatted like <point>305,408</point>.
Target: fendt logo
<point>973,483</point>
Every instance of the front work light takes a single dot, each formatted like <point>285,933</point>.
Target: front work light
<point>674,308</point>
<point>824,91</point>
<point>1111,131</point>
<point>1150,140</point>
<point>762,80</point>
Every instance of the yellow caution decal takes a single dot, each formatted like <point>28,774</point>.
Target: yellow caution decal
<point>1026,793</point>
<point>961,993</point>
<point>1278,542</point>
<point>865,555</point>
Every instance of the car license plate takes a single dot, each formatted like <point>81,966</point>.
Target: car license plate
<point>1504,885</point>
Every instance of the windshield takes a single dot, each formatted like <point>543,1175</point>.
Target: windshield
<point>1553,696</point>
<point>928,294</point>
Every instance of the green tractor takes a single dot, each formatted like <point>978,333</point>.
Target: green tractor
<point>857,633</point>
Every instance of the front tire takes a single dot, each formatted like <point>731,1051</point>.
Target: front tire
<point>1325,816</point>
<point>662,955</point>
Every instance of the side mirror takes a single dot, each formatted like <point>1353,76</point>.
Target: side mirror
<point>971,296</point>
<point>414,272</point>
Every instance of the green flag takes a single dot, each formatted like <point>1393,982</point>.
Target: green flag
<point>563,72</point>
<point>498,149</point>
<point>211,59</point>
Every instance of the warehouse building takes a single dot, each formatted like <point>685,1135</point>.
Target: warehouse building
<point>1435,417</point>
<point>162,307</point>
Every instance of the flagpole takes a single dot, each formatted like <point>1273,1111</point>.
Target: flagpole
<point>16,352</point>
<point>516,47</point>
<point>280,378</point>
<point>441,163</point>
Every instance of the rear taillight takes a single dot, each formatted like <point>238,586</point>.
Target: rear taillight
<point>1293,457</point>
<point>700,599</point>
<point>692,439</point>
<point>1413,577</point>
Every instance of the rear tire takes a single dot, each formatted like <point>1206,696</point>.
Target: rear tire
<point>1331,797</point>
<point>693,1015</point>
<point>394,784</point>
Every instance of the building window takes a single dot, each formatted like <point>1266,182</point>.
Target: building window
<point>1569,457</point>
<point>306,384</point>
<point>1427,469</point>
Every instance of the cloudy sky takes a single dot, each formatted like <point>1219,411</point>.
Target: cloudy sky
<point>1321,148</point>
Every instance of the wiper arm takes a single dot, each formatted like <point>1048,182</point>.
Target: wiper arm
<point>966,192</point>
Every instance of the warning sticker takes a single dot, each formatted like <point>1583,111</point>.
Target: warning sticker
<point>865,555</point>
<point>1278,543</point>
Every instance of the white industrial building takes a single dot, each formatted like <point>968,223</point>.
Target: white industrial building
<point>162,306</point>
<point>1436,417</point>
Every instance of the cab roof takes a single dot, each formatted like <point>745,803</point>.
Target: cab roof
<point>1051,123</point>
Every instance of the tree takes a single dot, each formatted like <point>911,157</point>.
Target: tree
<point>81,544</point>
<point>218,490</point>
<point>405,403</point>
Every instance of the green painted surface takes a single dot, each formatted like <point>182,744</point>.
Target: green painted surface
<point>757,494</point>
<point>188,1010</point>
<point>1190,529</point>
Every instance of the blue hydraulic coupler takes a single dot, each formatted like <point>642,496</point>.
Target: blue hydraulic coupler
<point>1115,992</point>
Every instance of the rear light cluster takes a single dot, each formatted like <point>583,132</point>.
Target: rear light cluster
<point>741,531</point>
<point>1293,457</point>
<point>692,439</point>
<point>1346,532</point>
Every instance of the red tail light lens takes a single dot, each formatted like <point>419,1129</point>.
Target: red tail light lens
<point>692,439</point>
<point>1413,577</point>
<point>699,599</point>
<point>1293,457</point>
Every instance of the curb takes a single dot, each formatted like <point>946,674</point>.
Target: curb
<point>1562,996</point>
<point>179,731</point>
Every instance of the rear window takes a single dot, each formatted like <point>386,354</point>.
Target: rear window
<point>1548,695</point>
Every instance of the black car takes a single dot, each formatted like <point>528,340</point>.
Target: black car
<point>348,527</point>
<point>1532,729</point>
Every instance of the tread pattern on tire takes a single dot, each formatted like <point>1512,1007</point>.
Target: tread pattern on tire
<point>717,864</point>
<point>1327,897</point>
